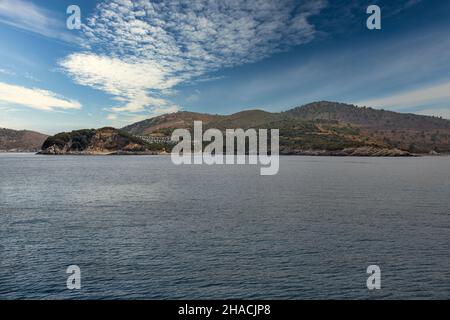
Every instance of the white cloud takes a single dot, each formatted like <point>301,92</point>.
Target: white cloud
<point>414,98</point>
<point>27,16</point>
<point>35,98</point>
<point>113,75</point>
<point>127,81</point>
<point>144,48</point>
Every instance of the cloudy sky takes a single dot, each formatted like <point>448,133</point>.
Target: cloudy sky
<point>132,60</point>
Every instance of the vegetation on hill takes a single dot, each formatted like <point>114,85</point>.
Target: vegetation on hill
<point>366,117</point>
<point>80,139</point>
<point>410,132</point>
<point>102,141</point>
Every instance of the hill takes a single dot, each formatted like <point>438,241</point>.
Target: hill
<point>366,117</point>
<point>98,142</point>
<point>405,131</point>
<point>21,141</point>
<point>323,128</point>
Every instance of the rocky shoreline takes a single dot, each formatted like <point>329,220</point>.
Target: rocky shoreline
<point>350,152</point>
<point>353,152</point>
<point>95,153</point>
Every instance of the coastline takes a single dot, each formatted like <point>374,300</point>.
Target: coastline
<point>314,153</point>
<point>304,153</point>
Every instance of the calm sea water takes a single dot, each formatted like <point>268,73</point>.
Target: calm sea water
<point>140,227</point>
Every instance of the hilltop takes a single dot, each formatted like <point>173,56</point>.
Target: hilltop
<point>21,141</point>
<point>366,117</point>
<point>166,123</point>
<point>405,131</point>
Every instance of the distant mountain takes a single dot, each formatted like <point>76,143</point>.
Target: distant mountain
<point>323,128</point>
<point>96,142</point>
<point>21,141</point>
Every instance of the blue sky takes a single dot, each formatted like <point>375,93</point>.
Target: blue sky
<point>132,60</point>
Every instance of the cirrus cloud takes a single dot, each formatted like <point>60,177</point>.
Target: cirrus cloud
<point>142,49</point>
<point>26,15</point>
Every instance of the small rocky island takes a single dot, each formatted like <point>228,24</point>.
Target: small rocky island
<point>104,141</point>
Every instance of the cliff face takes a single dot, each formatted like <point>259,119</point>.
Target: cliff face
<point>21,141</point>
<point>97,142</point>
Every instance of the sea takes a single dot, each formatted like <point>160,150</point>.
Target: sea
<point>140,227</point>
